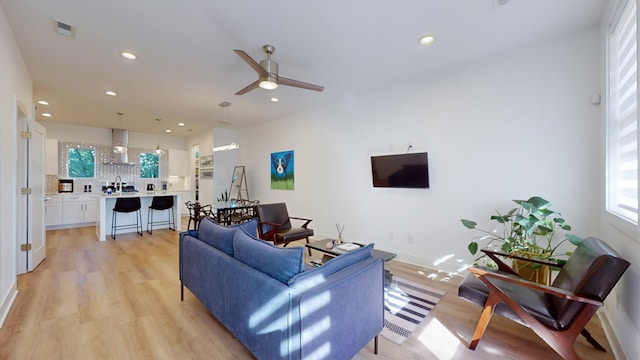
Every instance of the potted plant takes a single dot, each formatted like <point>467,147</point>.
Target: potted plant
<point>528,231</point>
<point>224,198</point>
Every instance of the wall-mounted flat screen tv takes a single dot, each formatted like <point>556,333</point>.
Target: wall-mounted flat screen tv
<point>408,170</point>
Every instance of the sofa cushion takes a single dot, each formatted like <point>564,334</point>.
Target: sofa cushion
<point>332,266</point>
<point>279,263</point>
<point>221,237</point>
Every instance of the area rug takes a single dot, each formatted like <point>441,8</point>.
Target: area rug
<point>406,304</point>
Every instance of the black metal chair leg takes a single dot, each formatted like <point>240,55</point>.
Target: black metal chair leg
<point>591,340</point>
<point>149,216</point>
<point>375,345</point>
<point>113,225</point>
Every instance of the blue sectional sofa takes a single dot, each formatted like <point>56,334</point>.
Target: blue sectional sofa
<point>267,300</point>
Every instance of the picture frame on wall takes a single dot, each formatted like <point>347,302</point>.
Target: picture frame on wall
<point>206,161</point>
<point>206,174</point>
<point>282,171</point>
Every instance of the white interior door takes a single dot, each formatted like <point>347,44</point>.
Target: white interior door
<point>36,183</point>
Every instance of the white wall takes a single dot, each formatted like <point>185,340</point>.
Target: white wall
<point>92,135</point>
<point>16,83</point>
<point>514,126</point>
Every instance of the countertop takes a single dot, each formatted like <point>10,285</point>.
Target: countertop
<point>131,194</point>
<point>143,193</point>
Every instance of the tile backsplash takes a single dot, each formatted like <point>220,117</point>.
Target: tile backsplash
<point>106,172</point>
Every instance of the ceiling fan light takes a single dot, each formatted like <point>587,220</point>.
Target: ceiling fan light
<point>268,84</point>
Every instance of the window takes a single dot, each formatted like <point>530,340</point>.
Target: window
<point>622,113</point>
<point>81,163</point>
<point>149,166</point>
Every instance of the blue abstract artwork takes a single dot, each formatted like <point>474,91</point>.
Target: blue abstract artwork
<point>282,174</point>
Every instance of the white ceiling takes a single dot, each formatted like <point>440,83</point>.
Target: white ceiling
<point>186,65</point>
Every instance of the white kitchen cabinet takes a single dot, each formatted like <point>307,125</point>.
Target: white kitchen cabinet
<point>53,210</point>
<point>177,162</point>
<point>51,157</point>
<point>91,210</point>
<point>78,209</point>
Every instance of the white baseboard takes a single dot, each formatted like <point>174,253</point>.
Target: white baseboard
<point>618,353</point>
<point>7,302</point>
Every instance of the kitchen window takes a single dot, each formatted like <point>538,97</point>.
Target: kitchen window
<point>149,166</point>
<point>81,163</point>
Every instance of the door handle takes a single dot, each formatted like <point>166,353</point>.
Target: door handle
<point>47,199</point>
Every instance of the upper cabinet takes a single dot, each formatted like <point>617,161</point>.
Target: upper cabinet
<point>51,157</point>
<point>178,161</point>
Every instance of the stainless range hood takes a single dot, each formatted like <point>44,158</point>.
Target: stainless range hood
<point>120,137</point>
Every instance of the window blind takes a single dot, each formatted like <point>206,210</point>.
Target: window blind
<point>623,115</point>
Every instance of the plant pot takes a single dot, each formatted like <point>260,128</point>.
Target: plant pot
<point>540,274</point>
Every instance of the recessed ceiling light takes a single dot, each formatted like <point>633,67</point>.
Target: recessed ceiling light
<point>168,130</point>
<point>180,124</point>
<point>43,102</point>
<point>427,40</point>
<point>128,55</point>
<point>274,99</point>
<point>46,114</point>
<point>111,93</point>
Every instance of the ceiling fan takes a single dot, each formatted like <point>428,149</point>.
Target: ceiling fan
<point>268,71</point>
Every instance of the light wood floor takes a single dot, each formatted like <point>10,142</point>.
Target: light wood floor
<point>121,300</point>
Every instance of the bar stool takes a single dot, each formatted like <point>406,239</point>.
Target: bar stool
<point>126,205</point>
<point>160,203</point>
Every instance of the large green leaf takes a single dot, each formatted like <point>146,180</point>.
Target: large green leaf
<point>539,203</point>
<point>469,224</point>
<point>559,221</point>
<point>575,240</point>
<point>500,218</point>
<point>473,247</point>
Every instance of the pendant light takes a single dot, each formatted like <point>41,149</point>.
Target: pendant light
<point>120,149</point>
<point>159,151</point>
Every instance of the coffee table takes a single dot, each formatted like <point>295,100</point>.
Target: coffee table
<point>321,245</point>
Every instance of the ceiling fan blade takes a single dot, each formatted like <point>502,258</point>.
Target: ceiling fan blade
<point>248,88</point>
<point>300,84</point>
<point>259,69</point>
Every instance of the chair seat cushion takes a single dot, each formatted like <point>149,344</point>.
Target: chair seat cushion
<point>534,302</point>
<point>279,263</point>
<point>293,234</point>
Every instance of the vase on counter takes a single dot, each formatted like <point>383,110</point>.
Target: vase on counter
<point>340,229</point>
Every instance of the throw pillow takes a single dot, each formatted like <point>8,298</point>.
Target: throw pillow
<point>221,237</point>
<point>334,265</point>
<point>279,263</point>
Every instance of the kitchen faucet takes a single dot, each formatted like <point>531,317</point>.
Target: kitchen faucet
<point>118,183</point>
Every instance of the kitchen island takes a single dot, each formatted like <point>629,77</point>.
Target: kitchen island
<point>107,202</point>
